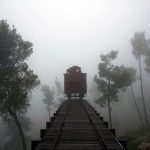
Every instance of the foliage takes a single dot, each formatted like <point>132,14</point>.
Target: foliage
<point>48,97</point>
<point>17,80</point>
<point>16,87</point>
<point>102,86</point>
<point>147,62</point>
<point>109,57</point>
<point>118,76</point>
<point>13,49</point>
<point>140,44</point>
<point>132,79</point>
<point>59,90</point>
<point>48,94</point>
<point>12,134</point>
<point>111,80</point>
<point>141,47</point>
<point>132,74</point>
<point>136,137</point>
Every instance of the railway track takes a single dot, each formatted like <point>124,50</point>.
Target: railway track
<point>77,126</point>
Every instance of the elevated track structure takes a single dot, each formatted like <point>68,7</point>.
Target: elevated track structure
<point>76,125</point>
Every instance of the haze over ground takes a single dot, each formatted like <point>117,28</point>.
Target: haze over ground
<point>75,32</point>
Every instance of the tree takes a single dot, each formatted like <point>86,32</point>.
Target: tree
<point>58,87</point>
<point>59,90</point>
<point>147,62</point>
<point>48,98</point>
<point>132,79</point>
<point>111,79</point>
<point>141,47</point>
<point>17,80</point>
<point>12,135</point>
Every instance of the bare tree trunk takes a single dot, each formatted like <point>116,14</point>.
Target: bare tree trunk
<point>108,99</point>
<point>143,99</point>
<point>109,112</point>
<point>136,106</point>
<point>14,115</point>
<point>49,113</point>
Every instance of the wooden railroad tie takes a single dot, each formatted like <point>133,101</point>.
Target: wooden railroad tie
<point>77,126</point>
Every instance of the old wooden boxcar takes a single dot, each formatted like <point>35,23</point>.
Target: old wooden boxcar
<point>75,82</point>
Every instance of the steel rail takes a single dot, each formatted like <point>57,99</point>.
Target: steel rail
<point>60,128</point>
<point>100,138</point>
<point>116,140</point>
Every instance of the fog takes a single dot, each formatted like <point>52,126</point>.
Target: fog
<point>65,33</point>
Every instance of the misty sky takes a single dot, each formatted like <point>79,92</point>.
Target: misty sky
<point>75,32</point>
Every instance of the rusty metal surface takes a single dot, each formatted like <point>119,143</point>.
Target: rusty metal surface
<point>75,82</point>
<point>77,126</point>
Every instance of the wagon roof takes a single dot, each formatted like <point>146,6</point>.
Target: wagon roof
<point>74,67</point>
